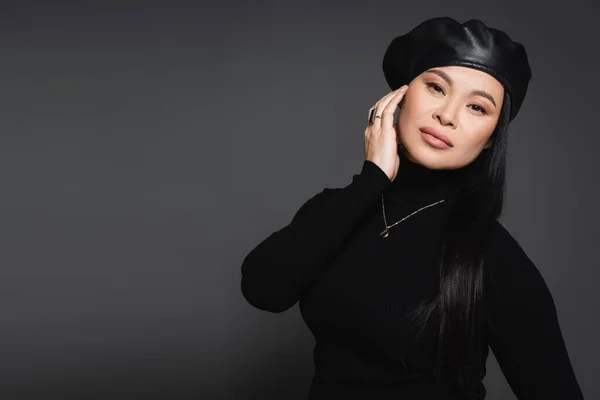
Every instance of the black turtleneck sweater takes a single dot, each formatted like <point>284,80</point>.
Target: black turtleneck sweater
<point>355,287</point>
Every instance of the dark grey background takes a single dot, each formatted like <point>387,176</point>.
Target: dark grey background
<point>148,147</point>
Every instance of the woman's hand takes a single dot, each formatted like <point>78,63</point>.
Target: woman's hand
<point>381,142</point>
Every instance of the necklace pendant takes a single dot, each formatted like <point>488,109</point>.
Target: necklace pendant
<point>384,233</point>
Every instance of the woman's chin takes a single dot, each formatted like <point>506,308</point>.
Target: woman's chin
<point>424,155</point>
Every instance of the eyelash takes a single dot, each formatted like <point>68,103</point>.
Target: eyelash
<point>481,109</point>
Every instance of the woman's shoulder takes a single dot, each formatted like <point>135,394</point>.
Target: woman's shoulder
<point>501,237</point>
<point>508,265</point>
<point>315,200</point>
<point>502,243</point>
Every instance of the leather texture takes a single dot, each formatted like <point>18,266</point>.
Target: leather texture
<point>443,41</point>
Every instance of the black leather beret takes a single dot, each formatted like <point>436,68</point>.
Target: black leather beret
<point>442,41</point>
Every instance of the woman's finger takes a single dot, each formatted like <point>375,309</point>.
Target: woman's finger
<point>381,103</point>
<point>387,119</point>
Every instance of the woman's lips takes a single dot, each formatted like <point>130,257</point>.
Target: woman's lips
<point>435,138</point>
<point>433,141</point>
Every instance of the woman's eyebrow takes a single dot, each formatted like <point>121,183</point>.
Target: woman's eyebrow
<point>447,78</point>
<point>485,94</point>
<point>443,75</point>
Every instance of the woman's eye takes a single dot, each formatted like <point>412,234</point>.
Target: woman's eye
<point>479,109</point>
<point>435,87</point>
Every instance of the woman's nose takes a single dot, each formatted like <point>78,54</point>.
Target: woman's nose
<point>446,115</point>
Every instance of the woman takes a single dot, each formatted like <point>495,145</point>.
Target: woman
<point>405,276</point>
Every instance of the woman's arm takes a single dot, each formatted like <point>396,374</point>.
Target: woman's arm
<point>523,329</point>
<point>276,272</point>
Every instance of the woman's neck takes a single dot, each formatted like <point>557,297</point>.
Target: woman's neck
<point>417,183</point>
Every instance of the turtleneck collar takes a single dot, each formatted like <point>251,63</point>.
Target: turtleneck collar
<point>418,185</point>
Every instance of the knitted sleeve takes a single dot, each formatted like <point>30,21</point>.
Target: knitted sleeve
<point>523,329</point>
<point>275,272</point>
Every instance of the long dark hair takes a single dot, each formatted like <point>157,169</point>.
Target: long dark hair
<point>459,302</point>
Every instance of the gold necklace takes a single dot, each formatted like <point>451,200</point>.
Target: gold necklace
<point>384,233</point>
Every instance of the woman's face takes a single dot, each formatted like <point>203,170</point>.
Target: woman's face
<point>459,102</point>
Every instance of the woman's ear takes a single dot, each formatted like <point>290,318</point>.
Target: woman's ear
<point>489,143</point>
